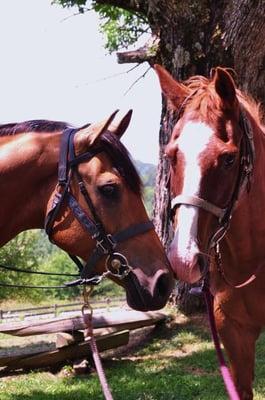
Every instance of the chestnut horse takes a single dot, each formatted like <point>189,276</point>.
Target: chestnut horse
<point>94,212</point>
<point>217,156</point>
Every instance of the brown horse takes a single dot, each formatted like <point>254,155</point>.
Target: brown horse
<point>217,155</point>
<point>99,194</point>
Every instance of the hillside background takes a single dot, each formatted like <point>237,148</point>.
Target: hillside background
<point>148,174</point>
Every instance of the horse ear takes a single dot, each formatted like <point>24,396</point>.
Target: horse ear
<point>123,124</point>
<point>174,91</point>
<point>225,87</point>
<point>87,136</point>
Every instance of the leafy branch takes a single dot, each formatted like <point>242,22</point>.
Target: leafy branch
<point>122,22</point>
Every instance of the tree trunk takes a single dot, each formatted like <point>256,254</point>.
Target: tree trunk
<point>243,35</point>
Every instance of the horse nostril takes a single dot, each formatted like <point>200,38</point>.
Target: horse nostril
<point>202,262</point>
<point>162,286</point>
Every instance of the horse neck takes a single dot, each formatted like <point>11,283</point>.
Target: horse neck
<point>28,169</point>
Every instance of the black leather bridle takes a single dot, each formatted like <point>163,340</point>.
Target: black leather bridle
<point>116,263</point>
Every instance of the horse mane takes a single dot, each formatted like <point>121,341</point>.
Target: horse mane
<point>253,108</point>
<point>203,99</point>
<point>110,142</point>
<point>121,159</point>
<point>38,125</point>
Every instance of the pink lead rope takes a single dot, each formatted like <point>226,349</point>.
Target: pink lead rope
<point>88,333</point>
<point>227,378</point>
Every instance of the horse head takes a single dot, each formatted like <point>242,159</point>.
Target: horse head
<point>105,190</point>
<point>210,161</point>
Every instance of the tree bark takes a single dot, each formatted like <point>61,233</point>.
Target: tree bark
<point>244,34</point>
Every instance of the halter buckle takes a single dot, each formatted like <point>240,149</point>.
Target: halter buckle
<point>104,245</point>
<point>218,236</point>
<point>117,265</point>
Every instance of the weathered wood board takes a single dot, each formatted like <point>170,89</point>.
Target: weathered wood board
<point>71,352</point>
<point>123,319</point>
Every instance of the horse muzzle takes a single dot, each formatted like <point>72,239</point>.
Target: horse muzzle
<point>150,294</point>
<point>190,267</point>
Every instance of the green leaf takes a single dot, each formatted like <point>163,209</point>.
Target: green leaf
<point>121,28</point>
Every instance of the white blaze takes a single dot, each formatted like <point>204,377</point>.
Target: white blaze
<point>194,138</point>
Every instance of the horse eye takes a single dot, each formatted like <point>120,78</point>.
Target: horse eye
<point>229,160</point>
<point>109,191</point>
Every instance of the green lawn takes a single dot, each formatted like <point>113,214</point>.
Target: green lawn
<point>176,361</point>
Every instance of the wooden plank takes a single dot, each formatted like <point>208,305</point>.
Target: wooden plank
<point>65,339</point>
<point>124,319</point>
<point>72,352</point>
<point>4,361</point>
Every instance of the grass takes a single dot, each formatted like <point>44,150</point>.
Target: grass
<point>173,362</point>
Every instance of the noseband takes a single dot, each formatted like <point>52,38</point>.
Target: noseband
<point>105,244</point>
<point>224,215</point>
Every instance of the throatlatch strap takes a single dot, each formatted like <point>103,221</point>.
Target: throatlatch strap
<point>56,205</point>
<point>63,156</point>
<point>63,181</point>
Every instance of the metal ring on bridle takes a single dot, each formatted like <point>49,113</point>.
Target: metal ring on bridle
<point>117,265</point>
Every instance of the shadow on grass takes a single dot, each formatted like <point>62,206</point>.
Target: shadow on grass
<point>174,334</point>
<point>168,378</point>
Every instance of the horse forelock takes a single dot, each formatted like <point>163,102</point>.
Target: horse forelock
<point>204,104</point>
<point>121,160</point>
<point>203,107</point>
